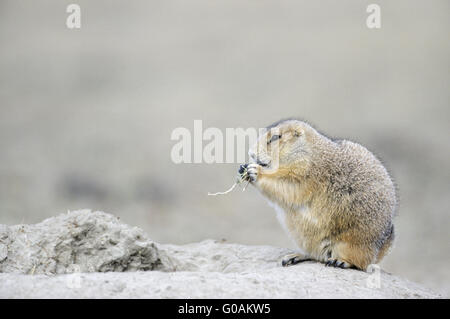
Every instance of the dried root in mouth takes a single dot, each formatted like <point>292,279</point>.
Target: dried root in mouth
<point>241,178</point>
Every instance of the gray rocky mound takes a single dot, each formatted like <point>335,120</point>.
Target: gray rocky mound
<point>86,254</point>
<point>79,241</point>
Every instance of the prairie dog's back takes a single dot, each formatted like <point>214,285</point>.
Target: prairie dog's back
<point>353,172</point>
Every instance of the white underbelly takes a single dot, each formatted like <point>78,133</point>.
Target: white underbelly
<point>303,214</point>
<point>281,216</point>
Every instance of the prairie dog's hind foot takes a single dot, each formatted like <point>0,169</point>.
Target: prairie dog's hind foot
<point>337,263</point>
<point>293,259</point>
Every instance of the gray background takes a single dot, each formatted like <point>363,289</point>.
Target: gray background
<point>86,115</point>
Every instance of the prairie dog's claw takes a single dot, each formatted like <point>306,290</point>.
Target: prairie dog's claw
<point>293,259</point>
<point>252,171</point>
<point>242,169</point>
<point>337,263</point>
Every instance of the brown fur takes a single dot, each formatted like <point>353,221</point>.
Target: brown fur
<point>338,199</point>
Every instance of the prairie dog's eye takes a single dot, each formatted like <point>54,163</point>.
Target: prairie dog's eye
<point>274,138</point>
<point>297,133</point>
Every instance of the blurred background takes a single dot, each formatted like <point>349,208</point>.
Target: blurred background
<point>86,115</point>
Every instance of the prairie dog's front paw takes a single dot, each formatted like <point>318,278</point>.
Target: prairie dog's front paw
<point>253,172</point>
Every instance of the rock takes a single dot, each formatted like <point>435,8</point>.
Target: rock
<point>80,241</point>
<point>93,255</point>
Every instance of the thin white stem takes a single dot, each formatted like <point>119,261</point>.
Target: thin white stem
<point>224,193</point>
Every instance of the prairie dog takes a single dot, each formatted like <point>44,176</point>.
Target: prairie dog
<point>333,197</point>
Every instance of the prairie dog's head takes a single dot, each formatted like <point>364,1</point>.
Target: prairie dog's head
<point>284,145</point>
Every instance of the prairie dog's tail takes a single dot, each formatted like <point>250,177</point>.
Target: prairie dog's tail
<point>384,250</point>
